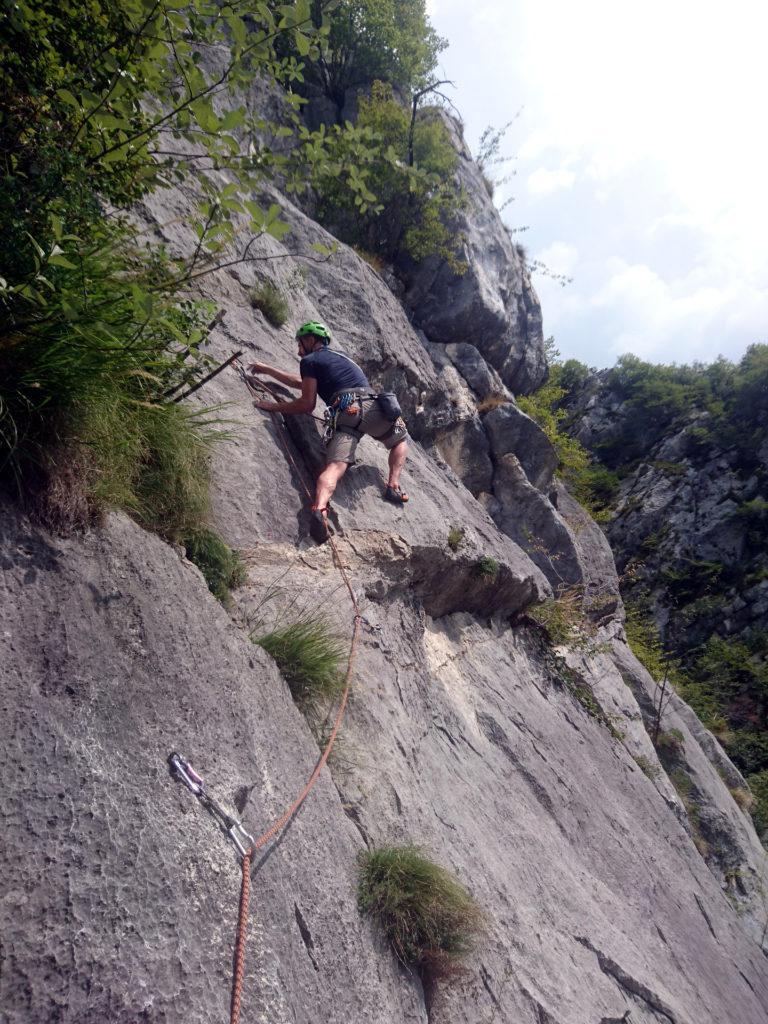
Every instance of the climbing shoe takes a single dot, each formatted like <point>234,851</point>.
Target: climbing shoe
<point>318,526</point>
<point>395,495</point>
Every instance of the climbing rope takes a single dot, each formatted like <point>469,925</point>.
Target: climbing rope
<point>233,827</point>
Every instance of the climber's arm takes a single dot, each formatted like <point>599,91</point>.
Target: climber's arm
<point>306,403</point>
<point>293,380</point>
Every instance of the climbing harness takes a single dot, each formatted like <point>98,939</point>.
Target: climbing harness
<point>348,402</point>
<point>246,845</point>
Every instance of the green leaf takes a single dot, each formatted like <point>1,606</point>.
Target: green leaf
<point>237,27</point>
<point>66,95</point>
<point>302,43</point>
<point>61,261</point>
<point>278,229</point>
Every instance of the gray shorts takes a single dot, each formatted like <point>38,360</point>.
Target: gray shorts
<point>368,420</point>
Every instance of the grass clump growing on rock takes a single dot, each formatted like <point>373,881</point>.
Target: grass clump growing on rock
<point>267,297</point>
<point>310,657</point>
<point>430,919</point>
<point>486,568</point>
<point>648,767</point>
<point>222,567</point>
<point>455,537</point>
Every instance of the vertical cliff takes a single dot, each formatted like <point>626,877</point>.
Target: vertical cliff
<point>519,759</point>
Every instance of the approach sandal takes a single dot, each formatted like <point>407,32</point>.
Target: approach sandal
<point>395,495</point>
<point>319,530</point>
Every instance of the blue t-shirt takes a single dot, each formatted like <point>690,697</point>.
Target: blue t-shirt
<point>333,372</point>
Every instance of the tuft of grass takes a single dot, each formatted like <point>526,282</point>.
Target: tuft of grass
<point>491,402</point>
<point>267,297</point>
<point>310,656</point>
<point>648,767</point>
<point>455,537</point>
<point>563,620</point>
<point>743,798</point>
<point>671,743</point>
<point>222,567</point>
<point>373,260</point>
<point>430,919</point>
<point>486,568</point>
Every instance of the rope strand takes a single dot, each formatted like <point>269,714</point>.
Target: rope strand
<point>285,817</point>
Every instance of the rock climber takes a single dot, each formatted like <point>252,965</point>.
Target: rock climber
<point>353,409</point>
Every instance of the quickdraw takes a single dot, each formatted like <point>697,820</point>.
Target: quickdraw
<point>229,824</point>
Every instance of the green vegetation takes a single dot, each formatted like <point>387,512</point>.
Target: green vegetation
<point>272,302</point>
<point>648,767</point>
<point>455,537</point>
<point>486,568</point>
<point>431,921</point>
<point>222,567</point>
<point>670,744</point>
<point>388,185</point>
<point>98,337</point>
<point>385,40</point>
<point>591,484</point>
<point>311,657</point>
<point>563,619</point>
<point>758,784</point>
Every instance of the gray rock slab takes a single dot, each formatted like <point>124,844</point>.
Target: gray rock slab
<point>120,895</point>
<point>511,431</point>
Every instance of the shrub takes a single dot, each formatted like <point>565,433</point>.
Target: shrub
<point>486,568</point>
<point>222,567</point>
<point>430,919</point>
<point>310,657</point>
<point>455,537</point>
<point>388,185</point>
<point>272,302</point>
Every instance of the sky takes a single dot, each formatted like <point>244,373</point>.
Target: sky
<point>640,159</point>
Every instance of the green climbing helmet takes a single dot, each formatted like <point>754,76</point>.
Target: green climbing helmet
<point>317,329</point>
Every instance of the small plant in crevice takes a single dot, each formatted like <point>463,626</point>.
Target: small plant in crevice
<point>670,744</point>
<point>267,297</point>
<point>455,537</point>
<point>583,693</point>
<point>491,402</point>
<point>223,568</point>
<point>486,568</point>
<point>744,800</point>
<point>648,767</point>
<point>432,922</point>
<point>687,792</point>
<point>310,657</point>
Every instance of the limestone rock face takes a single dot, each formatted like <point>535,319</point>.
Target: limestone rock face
<point>492,305</point>
<point>511,431</point>
<point>510,760</point>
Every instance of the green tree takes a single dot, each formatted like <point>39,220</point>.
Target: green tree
<point>372,194</point>
<point>101,104</point>
<point>368,40</point>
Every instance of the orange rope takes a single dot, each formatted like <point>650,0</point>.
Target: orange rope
<point>285,817</point>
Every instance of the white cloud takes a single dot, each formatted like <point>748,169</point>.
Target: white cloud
<point>543,181</point>
<point>642,156</point>
<point>559,257</point>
